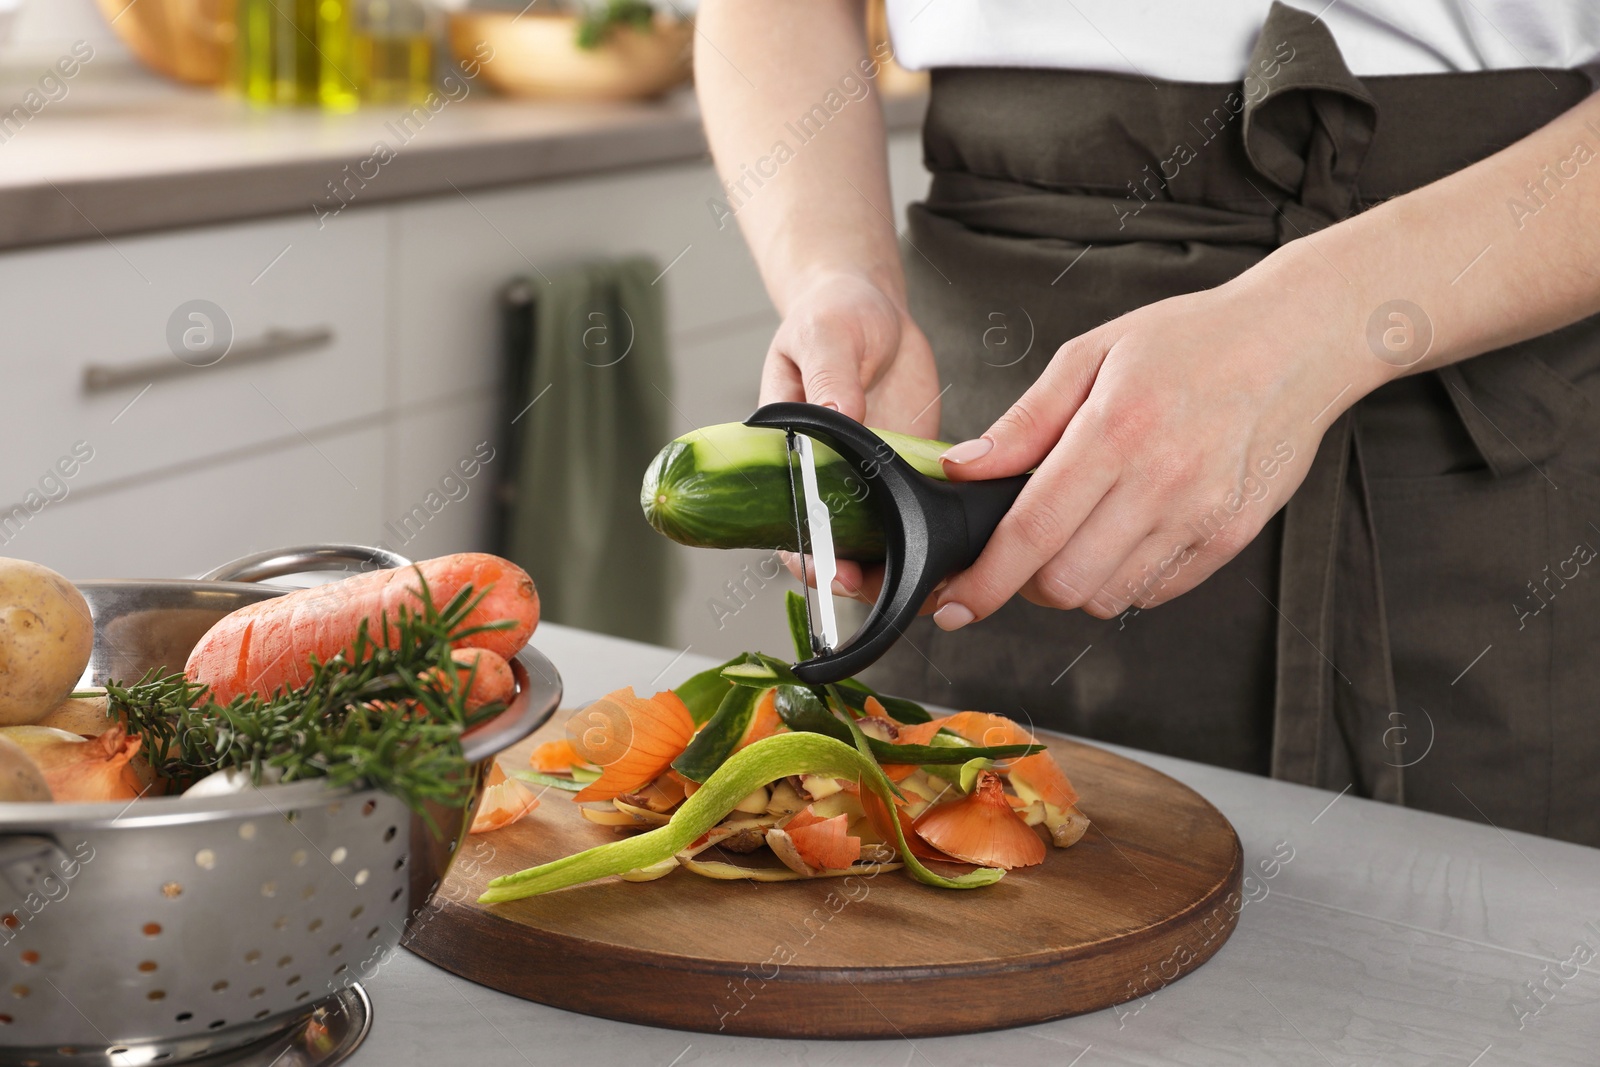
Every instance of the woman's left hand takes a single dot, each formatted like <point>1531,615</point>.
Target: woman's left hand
<point>1163,441</point>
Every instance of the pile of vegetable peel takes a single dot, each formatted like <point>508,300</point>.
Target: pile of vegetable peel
<point>831,780</point>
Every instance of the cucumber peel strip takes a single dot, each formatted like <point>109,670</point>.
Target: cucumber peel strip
<point>899,709</point>
<point>970,771</point>
<point>794,606</point>
<point>765,761</point>
<point>802,710</point>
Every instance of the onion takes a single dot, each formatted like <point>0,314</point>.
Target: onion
<point>982,828</point>
<point>80,770</point>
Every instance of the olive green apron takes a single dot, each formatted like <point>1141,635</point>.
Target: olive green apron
<point>1421,622</point>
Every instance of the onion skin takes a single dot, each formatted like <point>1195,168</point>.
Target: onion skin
<point>824,844</point>
<point>982,828</point>
<point>505,800</point>
<point>79,770</point>
<point>633,741</point>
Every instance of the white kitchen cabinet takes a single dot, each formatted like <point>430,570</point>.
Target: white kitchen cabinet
<point>434,508</point>
<point>329,488</point>
<point>107,305</point>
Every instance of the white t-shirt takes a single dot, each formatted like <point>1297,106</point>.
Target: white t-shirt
<point>1210,40</point>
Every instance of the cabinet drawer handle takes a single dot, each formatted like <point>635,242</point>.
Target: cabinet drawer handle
<point>272,344</point>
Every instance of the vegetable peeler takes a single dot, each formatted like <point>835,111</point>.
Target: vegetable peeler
<point>932,529</point>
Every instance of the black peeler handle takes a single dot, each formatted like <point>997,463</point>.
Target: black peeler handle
<point>931,529</point>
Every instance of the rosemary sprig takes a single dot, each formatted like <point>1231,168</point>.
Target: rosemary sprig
<point>388,712</point>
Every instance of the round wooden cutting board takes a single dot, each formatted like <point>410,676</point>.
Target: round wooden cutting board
<point>1147,895</point>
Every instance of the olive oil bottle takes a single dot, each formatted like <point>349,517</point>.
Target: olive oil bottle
<point>393,42</point>
<point>294,52</point>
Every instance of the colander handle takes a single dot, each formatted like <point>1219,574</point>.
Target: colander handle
<point>276,562</point>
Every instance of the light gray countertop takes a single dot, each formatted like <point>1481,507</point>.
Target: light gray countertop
<point>123,152</point>
<point>1391,937</point>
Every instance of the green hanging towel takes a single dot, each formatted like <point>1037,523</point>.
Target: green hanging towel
<point>587,404</point>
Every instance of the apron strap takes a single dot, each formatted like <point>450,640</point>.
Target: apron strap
<point>1517,410</point>
<point>1309,132</point>
<point>1307,135</point>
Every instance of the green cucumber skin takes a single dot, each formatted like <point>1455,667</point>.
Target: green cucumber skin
<point>728,487</point>
<point>716,741</point>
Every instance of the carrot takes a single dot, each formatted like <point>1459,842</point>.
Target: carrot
<point>267,646</point>
<point>492,680</point>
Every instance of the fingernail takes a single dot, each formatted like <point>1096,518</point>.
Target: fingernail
<point>839,590</point>
<point>952,616</point>
<point>967,451</point>
<point>940,587</point>
<point>830,405</point>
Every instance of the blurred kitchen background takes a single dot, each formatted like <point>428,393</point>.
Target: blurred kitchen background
<point>284,271</point>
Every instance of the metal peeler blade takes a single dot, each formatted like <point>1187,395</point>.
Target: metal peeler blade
<point>817,536</point>
<point>932,528</point>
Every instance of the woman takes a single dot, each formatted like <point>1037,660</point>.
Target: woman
<point>1295,333</point>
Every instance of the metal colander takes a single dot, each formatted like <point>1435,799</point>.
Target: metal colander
<point>174,928</point>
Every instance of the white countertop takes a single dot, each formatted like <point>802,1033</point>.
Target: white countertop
<point>1391,937</point>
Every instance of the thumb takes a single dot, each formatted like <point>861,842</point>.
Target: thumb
<point>1020,439</point>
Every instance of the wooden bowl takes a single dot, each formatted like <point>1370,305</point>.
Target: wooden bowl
<point>537,56</point>
<point>186,40</point>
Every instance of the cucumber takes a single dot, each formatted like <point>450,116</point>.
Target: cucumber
<point>728,487</point>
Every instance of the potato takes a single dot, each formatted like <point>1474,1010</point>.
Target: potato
<point>81,715</point>
<point>20,778</point>
<point>46,635</point>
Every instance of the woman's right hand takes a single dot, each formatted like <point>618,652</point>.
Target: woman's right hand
<point>847,344</point>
